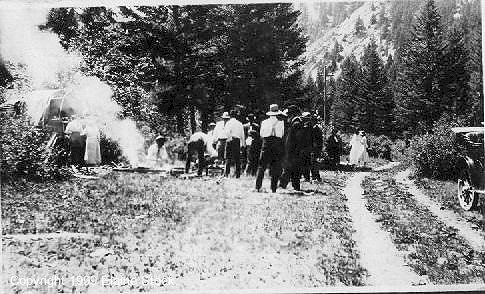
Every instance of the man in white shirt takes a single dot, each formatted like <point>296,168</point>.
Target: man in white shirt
<point>219,136</point>
<point>235,140</point>
<point>272,150</point>
<point>210,133</point>
<point>199,142</point>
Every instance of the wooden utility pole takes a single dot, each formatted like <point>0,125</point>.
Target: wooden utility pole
<point>324,94</point>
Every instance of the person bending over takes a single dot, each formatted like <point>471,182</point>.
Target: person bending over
<point>199,142</point>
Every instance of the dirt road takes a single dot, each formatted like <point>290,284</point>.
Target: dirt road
<point>475,238</point>
<point>334,234</point>
<point>378,254</point>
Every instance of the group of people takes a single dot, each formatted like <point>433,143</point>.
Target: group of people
<point>84,141</point>
<point>287,143</point>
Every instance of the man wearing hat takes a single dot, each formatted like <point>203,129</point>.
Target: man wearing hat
<point>253,146</point>
<point>272,149</point>
<point>219,136</point>
<point>292,116</point>
<point>298,148</point>
<point>157,152</point>
<point>317,146</point>
<point>236,140</point>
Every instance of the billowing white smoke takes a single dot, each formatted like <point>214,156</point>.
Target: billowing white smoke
<point>47,64</point>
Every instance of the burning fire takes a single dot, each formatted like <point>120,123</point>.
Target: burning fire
<point>49,66</point>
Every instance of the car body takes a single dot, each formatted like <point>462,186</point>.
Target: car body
<point>470,165</point>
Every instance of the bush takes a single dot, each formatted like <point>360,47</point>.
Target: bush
<point>24,152</point>
<point>110,151</point>
<point>434,154</point>
<point>379,146</point>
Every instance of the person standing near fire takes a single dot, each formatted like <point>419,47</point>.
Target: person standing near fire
<point>157,154</point>
<point>199,143</point>
<point>272,150</point>
<point>235,142</point>
<point>77,143</point>
<point>92,155</point>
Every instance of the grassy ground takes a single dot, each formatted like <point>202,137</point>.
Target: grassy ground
<point>195,234</point>
<point>342,267</point>
<point>432,248</point>
<point>444,193</point>
<point>116,211</point>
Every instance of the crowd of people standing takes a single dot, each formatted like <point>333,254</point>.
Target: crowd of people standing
<point>288,143</point>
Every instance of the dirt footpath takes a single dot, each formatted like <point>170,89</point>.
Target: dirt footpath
<point>378,254</point>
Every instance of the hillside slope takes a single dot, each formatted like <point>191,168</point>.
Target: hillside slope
<point>345,35</point>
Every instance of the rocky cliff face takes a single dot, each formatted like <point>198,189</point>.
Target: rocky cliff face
<point>375,19</point>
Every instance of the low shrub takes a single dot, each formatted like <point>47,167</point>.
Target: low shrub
<point>110,151</point>
<point>24,151</point>
<point>434,154</point>
<point>379,146</point>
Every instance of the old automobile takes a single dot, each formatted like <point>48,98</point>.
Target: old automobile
<point>470,166</point>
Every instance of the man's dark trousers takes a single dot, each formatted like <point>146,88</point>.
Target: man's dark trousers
<point>233,156</point>
<point>196,147</point>
<point>221,149</point>
<point>272,152</point>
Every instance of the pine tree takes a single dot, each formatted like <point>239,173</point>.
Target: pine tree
<point>346,93</point>
<point>454,83</point>
<point>63,22</point>
<point>373,19</point>
<point>374,108</point>
<point>359,27</point>
<point>418,92</point>
<point>473,41</point>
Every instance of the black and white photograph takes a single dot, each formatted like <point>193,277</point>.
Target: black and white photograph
<point>242,147</point>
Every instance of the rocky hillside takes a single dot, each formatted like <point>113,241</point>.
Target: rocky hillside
<point>351,41</point>
<point>387,22</point>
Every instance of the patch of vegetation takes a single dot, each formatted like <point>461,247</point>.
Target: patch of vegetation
<point>432,248</point>
<point>101,207</point>
<point>24,151</point>
<point>434,155</point>
<point>342,267</point>
<point>131,218</point>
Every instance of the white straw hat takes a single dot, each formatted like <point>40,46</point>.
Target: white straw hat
<point>273,110</point>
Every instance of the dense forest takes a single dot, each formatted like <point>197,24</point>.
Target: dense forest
<point>436,69</point>
<point>182,61</point>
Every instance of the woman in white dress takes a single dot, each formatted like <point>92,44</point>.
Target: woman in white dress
<point>363,156</point>
<point>355,149</point>
<point>92,155</point>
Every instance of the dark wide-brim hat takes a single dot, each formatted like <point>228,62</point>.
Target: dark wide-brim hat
<point>160,138</point>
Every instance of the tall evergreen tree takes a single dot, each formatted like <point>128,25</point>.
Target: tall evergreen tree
<point>454,83</point>
<point>359,27</point>
<point>374,106</point>
<point>346,93</point>
<point>419,78</point>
